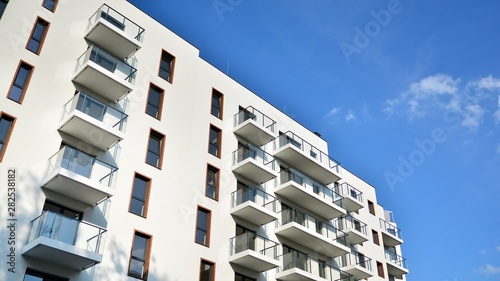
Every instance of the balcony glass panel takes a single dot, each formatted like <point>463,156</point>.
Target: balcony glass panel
<point>395,258</point>
<point>118,20</point>
<point>313,266</point>
<point>250,113</point>
<point>349,222</point>
<point>256,195</point>
<point>391,229</point>
<point>354,258</point>
<point>254,242</point>
<point>349,191</point>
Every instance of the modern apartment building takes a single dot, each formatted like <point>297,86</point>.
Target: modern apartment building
<point>125,156</point>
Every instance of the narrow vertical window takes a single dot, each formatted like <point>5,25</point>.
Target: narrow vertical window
<point>166,70</point>
<point>207,271</point>
<point>139,256</point>
<point>214,141</point>
<point>380,269</point>
<point>375,237</point>
<point>212,188</point>
<point>6,125</point>
<point>202,235</point>
<point>155,149</point>
<point>20,82</point>
<point>140,195</point>
<point>371,207</point>
<point>37,36</point>
<point>50,5</point>
<point>155,101</point>
<point>3,5</point>
<point>216,109</point>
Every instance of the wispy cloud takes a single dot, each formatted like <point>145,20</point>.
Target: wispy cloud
<point>489,269</point>
<point>489,83</point>
<point>496,115</point>
<point>350,116</point>
<point>333,112</point>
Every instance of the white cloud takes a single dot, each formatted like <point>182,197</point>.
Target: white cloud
<point>496,115</point>
<point>436,84</point>
<point>472,115</point>
<point>350,116</point>
<point>334,111</point>
<point>489,83</point>
<point>489,269</point>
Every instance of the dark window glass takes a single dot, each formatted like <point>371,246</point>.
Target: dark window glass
<point>155,99</point>
<point>21,80</point>
<point>37,36</point>
<point>155,148</point>
<point>216,109</point>
<point>50,4</point>
<point>202,227</point>
<point>212,182</point>
<point>371,207</point>
<point>139,256</point>
<point>166,66</point>
<point>207,271</point>
<point>33,275</point>
<point>3,4</point>
<point>214,141</point>
<point>140,192</point>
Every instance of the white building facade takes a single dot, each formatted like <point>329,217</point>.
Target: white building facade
<point>125,156</point>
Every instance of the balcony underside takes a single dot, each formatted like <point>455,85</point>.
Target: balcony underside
<point>313,202</point>
<point>90,130</point>
<point>395,269</point>
<point>306,164</point>
<point>295,274</point>
<point>254,213</point>
<point>390,239</point>
<point>351,204</point>
<point>254,170</point>
<point>355,237</point>
<point>253,261</point>
<point>357,271</point>
<point>56,252</point>
<point>77,187</point>
<point>253,132</point>
<point>100,80</point>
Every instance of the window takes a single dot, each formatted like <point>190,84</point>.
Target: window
<point>202,235</point>
<point>214,141</point>
<point>33,275</point>
<point>50,5</point>
<point>155,101</point>
<point>212,187</point>
<point>207,271</point>
<point>380,269</point>
<point>140,195</point>
<point>371,207</point>
<point>3,5</point>
<point>6,125</point>
<point>375,237</point>
<point>37,36</point>
<point>216,109</point>
<point>166,66</point>
<point>59,209</point>
<point>139,256</point>
<point>155,149</point>
<point>239,277</point>
<point>20,82</point>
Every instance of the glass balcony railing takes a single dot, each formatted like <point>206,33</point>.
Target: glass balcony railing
<point>83,164</point>
<point>109,116</point>
<point>395,258</point>
<point>325,229</point>
<point>122,69</point>
<point>355,258</point>
<point>258,117</point>
<point>349,191</point>
<point>118,20</point>
<point>349,222</point>
<point>67,230</point>
<point>391,229</point>
<point>259,155</point>
<point>256,195</point>
<point>311,185</point>
<point>313,266</point>
<point>254,242</point>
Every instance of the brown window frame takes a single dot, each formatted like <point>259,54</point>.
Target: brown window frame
<point>219,140</point>
<point>53,8</point>
<point>171,63</point>
<point>212,269</point>
<point>41,39</point>
<point>160,102</point>
<point>220,102</point>
<point>208,226</point>
<point>371,207</point>
<point>8,134</point>
<point>380,269</point>
<point>147,254</point>
<point>375,237</point>
<point>211,168</point>
<point>26,83</point>
<point>146,195</point>
<point>161,136</point>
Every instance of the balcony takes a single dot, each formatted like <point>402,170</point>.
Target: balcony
<point>114,32</point>
<point>309,194</point>
<point>353,197</point>
<point>79,176</point>
<point>254,164</point>
<point>254,205</point>
<point>391,234</point>
<point>356,264</point>
<point>92,121</point>
<point>105,74</point>
<point>254,252</point>
<point>396,265</point>
<point>254,126</point>
<point>310,232</point>
<point>305,157</point>
<point>299,266</point>
<point>64,241</point>
<point>355,228</point>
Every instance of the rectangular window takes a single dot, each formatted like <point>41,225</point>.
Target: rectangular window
<point>155,149</point>
<point>6,125</point>
<point>155,101</point>
<point>139,256</point>
<point>166,70</point>
<point>371,207</point>
<point>239,277</point>
<point>20,82</point>
<point>207,271</point>
<point>212,188</point>
<point>140,195</point>
<point>214,141</point>
<point>37,35</point>
<point>375,237</point>
<point>203,218</point>
<point>50,5</point>
<point>380,269</point>
<point>59,209</point>
<point>216,109</point>
<point>34,275</point>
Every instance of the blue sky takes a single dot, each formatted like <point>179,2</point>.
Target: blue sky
<point>407,93</point>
